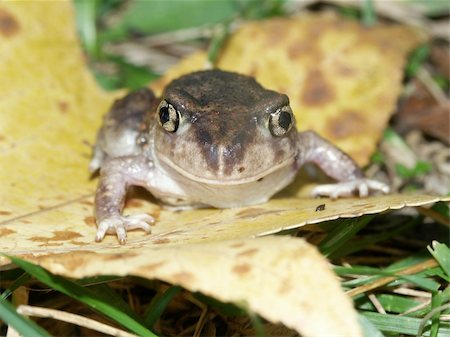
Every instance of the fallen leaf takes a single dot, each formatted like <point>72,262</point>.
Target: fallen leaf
<point>420,110</point>
<point>343,80</point>
<point>70,227</point>
<point>50,109</point>
<point>292,284</point>
<point>439,57</point>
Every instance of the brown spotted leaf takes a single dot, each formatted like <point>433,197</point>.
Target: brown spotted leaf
<point>291,284</point>
<point>50,108</point>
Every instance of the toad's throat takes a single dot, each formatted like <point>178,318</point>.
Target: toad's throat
<point>220,179</point>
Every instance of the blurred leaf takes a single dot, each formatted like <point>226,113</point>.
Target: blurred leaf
<point>86,11</point>
<point>258,9</point>
<point>106,6</point>
<point>156,16</point>
<point>416,60</point>
<point>377,157</point>
<point>135,77</point>
<point>349,12</point>
<point>369,17</point>
<point>442,81</point>
<point>217,42</point>
<point>393,137</point>
<point>108,81</point>
<point>125,75</point>
<point>421,168</point>
<point>431,7</point>
<point>418,167</point>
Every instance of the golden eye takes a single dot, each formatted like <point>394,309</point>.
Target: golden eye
<point>281,121</point>
<point>169,117</point>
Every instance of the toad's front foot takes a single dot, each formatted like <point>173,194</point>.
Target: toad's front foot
<point>361,187</point>
<point>119,224</point>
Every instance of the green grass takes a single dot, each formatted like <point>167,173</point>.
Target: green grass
<point>98,300</point>
<point>22,325</point>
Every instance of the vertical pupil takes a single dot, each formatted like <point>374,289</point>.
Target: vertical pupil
<point>285,120</point>
<point>164,115</point>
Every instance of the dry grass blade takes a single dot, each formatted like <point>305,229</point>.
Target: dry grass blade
<point>12,333</point>
<point>436,216</point>
<point>439,95</point>
<point>377,304</point>
<point>385,280</point>
<point>429,315</point>
<point>28,310</point>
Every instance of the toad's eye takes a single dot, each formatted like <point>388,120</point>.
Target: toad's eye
<point>169,117</point>
<point>281,121</point>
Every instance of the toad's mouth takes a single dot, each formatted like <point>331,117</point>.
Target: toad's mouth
<point>217,178</point>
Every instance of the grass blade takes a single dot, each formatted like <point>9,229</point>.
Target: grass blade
<point>20,281</point>
<point>340,235</point>
<point>439,302</point>
<point>435,328</point>
<point>401,324</point>
<point>391,303</point>
<point>369,17</point>
<point>257,324</point>
<point>159,304</point>
<point>222,32</point>
<point>369,330</point>
<point>22,325</point>
<point>441,253</point>
<point>86,22</point>
<point>363,242</point>
<point>83,295</point>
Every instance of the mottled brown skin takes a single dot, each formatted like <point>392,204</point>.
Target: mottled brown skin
<point>217,139</point>
<point>203,104</point>
<point>124,123</point>
<point>224,110</point>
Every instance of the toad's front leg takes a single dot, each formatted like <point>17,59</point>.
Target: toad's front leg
<point>116,176</point>
<point>337,165</point>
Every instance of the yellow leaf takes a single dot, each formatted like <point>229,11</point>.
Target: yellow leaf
<point>70,226</point>
<point>292,284</point>
<point>50,109</point>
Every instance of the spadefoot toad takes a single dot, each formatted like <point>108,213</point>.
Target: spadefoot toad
<point>215,138</point>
